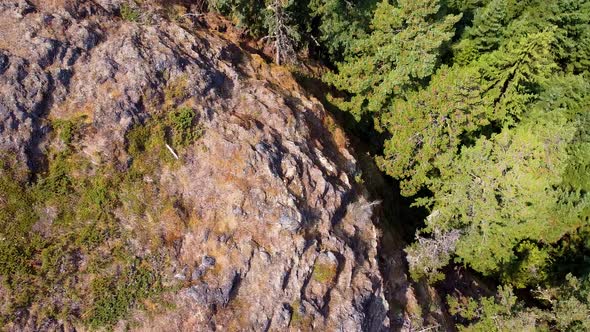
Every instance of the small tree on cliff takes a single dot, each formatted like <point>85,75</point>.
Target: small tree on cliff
<point>282,32</point>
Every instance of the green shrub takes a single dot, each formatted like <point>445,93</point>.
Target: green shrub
<point>146,144</point>
<point>57,181</point>
<point>324,273</point>
<point>65,129</point>
<point>72,204</point>
<point>176,90</point>
<point>39,267</point>
<point>16,220</point>
<point>181,121</point>
<point>137,140</point>
<point>128,13</point>
<point>184,129</point>
<point>116,295</point>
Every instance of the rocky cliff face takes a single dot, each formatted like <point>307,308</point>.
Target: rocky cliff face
<point>268,229</point>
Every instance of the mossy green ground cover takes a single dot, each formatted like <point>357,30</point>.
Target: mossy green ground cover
<point>64,252</point>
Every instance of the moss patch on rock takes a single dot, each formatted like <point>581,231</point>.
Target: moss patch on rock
<point>65,254</point>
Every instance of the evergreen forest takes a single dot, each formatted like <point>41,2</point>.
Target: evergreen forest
<point>480,109</point>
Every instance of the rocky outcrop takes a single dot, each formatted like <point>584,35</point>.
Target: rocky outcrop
<point>281,237</point>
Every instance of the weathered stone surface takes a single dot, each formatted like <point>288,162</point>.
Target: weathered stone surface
<point>272,191</point>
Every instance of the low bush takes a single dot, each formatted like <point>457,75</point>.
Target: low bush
<point>129,13</point>
<point>64,255</point>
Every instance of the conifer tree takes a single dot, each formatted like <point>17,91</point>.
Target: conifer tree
<point>431,124</point>
<point>341,23</point>
<point>572,17</point>
<point>502,191</point>
<point>248,14</point>
<point>509,189</point>
<point>485,34</point>
<point>282,31</point>
<point>566,308</point>
<point>513,74</point>
<point>402,50</point>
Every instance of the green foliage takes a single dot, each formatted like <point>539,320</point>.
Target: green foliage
<point>567,309</point>
<point>115,295</point>
<point>323,273</point>
<point>296,316</point>
<point>428,126</point>
<point>141,139</point>
<point>502,313</point>
<point>129,12</point>
<point>65,216</point>
<point>485,34</point>
<point>280,22</point>
<point>16,218</point>
<point>504,190</point>
<point>513,75</point>
<point>570,303</point>
<point>146,144</point>
<point>531,266</point>
<point>341,23</point>
<point>244,13</point>
<point>327,27</point>
<point>490,27</point>
<point>65,129</point>
<point>282,29</point>
<point>176,90</point>
<point>184,129</point>
<point>498,137</point>
<point>182,119</point>
<point>402,50</point>
<point>572,45</point>
<point>465,5</point>
<point>57,182</point>
<point>520,184</point>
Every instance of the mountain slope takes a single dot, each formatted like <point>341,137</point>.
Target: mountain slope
<point>225,185</point>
